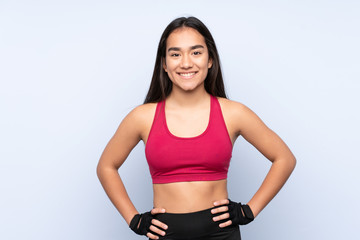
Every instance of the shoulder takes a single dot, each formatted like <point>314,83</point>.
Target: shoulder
<point>142,113</point>
<point>233,108</point>
<point>138,122</point>
<point>237,115</point>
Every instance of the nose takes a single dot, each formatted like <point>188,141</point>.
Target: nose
<point>186,61</point>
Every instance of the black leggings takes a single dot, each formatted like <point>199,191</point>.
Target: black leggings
<point>196,226</point>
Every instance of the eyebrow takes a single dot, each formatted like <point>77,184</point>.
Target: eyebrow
<point>191,48</point>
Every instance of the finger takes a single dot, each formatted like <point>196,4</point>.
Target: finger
<point>225,224</point>
<point>157,210</point>
<point>219,210</point>
<point>157,223</point>
<point>151,236</point>
<point>221,202</point>
<point>157,230</point>
<point>221,217</point>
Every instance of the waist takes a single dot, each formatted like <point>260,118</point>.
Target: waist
<point>194,225</point>
<point>187,197</point>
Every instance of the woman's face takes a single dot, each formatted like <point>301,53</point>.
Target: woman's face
<point>187,59</point>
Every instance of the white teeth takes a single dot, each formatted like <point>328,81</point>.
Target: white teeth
<point>187,74</point>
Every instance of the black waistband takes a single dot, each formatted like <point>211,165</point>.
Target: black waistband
<point>192,225</point>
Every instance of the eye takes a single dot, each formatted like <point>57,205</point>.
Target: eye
<point>196,53</point>
<point>174,55</point>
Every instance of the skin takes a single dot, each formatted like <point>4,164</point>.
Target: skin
<point>187,63</point>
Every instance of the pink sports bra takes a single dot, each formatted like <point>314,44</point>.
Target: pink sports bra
<point>205,157</point>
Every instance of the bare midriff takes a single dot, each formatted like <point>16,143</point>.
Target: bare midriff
<point>186,197</point>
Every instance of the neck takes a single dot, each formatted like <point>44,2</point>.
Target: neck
<point>187,98</point>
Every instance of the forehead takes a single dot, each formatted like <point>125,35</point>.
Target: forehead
<point>185,37</point>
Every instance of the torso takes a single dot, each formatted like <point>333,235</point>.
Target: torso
<point>183,197</point>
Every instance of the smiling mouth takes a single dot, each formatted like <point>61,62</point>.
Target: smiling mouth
<point>187,75</point>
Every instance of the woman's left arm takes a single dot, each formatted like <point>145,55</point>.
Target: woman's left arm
<point>246,123</point>
<point>252,128</point>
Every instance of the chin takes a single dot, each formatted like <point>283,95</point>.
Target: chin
<point>188,88</point>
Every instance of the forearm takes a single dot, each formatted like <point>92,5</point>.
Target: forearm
<point>115,189</point>
<point>273,182</point>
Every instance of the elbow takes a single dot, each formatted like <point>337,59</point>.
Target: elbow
<point>98,170</point>
<point>288,163</point>
<point>103,168</point>
<point>293,162</point>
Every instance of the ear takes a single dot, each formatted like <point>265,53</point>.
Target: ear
<point>210,62</point>
<point>164,64</point>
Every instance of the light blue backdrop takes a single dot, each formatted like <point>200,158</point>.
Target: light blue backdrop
<point>71,70</point>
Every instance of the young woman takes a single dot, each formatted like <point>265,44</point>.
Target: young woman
<point>189,128</point>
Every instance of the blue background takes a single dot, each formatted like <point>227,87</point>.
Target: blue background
<point>71,70</point>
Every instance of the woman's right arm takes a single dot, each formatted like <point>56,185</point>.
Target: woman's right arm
<point>130,131</point>
<point>115,153</point>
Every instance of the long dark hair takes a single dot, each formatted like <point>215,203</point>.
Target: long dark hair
<point>161,85</point>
